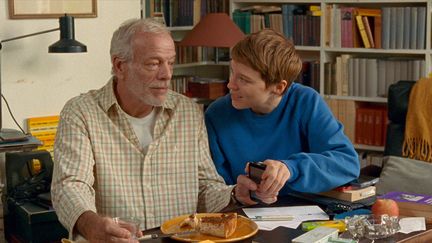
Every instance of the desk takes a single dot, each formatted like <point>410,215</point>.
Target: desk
<point>284,235</point>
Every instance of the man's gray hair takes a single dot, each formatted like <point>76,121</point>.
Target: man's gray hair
<point>121,45</point>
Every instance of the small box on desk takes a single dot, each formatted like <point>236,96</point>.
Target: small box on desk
<point>207,88</point>
<point>28,222</point>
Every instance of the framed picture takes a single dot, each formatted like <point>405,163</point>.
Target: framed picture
<point>37,9</point>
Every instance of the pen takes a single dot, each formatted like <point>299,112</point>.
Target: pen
<point>273,218</point>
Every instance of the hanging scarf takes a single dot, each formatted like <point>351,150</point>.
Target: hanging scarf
<point>418,129</point>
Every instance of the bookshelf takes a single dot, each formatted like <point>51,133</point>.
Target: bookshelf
<point>351,75</point>
<point>180,17</point>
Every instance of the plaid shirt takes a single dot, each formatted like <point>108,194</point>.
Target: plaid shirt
<point>100,166</point>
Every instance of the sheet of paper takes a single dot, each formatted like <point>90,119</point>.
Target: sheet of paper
<point>412,224</point>
<point>298,213</point>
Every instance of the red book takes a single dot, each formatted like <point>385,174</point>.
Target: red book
<point>369,126</point>
<point>378,127</point>
<point>359,124</point>
<point>384,123</point>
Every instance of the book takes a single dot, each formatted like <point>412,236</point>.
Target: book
<point>374,16</point>
<point>262,8</point>
<point>363,181</point>
<point>412,204</point>
<point>347,27</point>
<point>362,31</point>
<point>421,27</point>
<point>386,12</point>
<point>351,195</point>
<point>368,31</point>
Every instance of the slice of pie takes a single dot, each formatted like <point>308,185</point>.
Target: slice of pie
<point>219,225</point>
<point>222,225</point>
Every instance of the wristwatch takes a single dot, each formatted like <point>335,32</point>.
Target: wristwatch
<point>233,197</point>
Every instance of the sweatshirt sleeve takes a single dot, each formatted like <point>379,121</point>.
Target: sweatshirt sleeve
<point>218,157</point>
<point>330,157</point>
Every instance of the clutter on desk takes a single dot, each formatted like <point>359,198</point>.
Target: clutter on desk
<point>290,217</point>
<point>341,240</point>
<point>412,204</point>
<point>334,206</point>
<point>372,227</point>
<point>318,235</point>
<point>337,224</point>
<point>412,224</point>
<point>361,211</point>
<point>350,194</point>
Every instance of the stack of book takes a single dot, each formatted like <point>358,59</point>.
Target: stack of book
<point>350,194</point>
<point>44,129</point>
<point>356,190</point>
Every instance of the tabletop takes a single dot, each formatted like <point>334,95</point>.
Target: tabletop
<point>285,235</point>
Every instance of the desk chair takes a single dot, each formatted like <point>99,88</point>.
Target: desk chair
<point>398,99</point>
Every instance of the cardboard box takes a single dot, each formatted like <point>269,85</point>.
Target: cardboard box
<point>209,89</point>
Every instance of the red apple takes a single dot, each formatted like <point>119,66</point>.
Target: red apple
<point>385,206</point>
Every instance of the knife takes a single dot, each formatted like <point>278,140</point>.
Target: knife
<point>161,235</point>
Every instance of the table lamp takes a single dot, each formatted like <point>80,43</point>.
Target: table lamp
<point>66,44</point>
<point>214,30</point>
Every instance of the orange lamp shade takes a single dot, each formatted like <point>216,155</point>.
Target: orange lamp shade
<point>214,30</point>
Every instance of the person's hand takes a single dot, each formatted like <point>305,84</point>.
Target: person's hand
<point>98,229</point>
<point>274,178</point>
<point>243,188</point>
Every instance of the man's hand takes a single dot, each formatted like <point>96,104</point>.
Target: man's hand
<point>102,229</point>
<point>274,177</point>
<point>243,188</point>
<point>244,185</point>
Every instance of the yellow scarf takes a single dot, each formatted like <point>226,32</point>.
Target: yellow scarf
<point>418,129</point>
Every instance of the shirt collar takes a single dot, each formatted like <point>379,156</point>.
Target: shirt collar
<point>108,98</point>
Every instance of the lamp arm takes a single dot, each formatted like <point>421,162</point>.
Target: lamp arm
<point>25,36</point>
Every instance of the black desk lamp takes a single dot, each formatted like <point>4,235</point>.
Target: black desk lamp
<point>66,44</point>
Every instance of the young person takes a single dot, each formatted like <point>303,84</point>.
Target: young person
<point>134,148</point>
<point>267,117</point>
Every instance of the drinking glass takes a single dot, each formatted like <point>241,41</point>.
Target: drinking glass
<point>132,224</point>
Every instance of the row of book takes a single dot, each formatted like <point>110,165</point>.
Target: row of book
<point>403,27</point>
<point>370,158</point>
<point>368,77</point>
<point>310,74</point>
<point>352,27</point>
<point>190,54</point>
<point>386,27</point>
<point>371,125</point>
<point>301,23</point>
<point>345,112</point>
<point>365,125</point>
<point>184,12</point>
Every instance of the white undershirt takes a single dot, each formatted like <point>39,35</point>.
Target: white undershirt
<point>143,128</point>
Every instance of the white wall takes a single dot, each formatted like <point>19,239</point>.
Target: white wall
<point>38,83</point>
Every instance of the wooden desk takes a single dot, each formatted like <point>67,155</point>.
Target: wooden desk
<point>284,235</point>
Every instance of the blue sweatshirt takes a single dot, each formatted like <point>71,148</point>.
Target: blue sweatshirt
<point>301,132</point>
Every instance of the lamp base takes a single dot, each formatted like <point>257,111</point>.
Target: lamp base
<point>11,135</point>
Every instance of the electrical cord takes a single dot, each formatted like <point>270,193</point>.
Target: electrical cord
<point>10,112</point>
